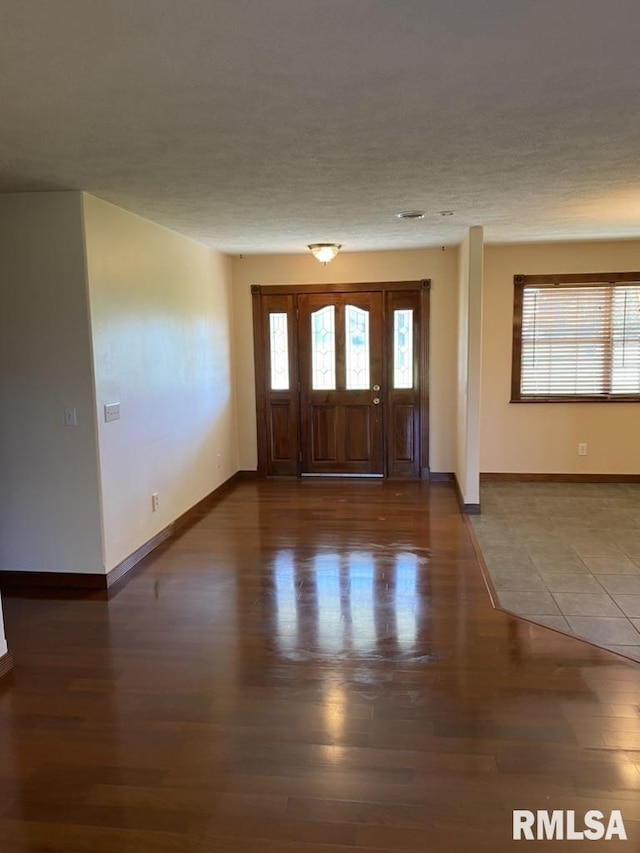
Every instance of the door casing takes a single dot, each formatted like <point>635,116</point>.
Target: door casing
<point>278,412</point>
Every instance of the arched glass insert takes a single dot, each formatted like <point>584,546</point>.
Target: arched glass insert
<point>323,349</point>
<point>357,348</point>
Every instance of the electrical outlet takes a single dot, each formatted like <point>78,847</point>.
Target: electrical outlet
<point>582,449</point>
<point>218,461</point>
<point>155,502</point>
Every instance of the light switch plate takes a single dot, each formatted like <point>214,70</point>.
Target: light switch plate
<point>111,412</point>
<point>70,417</point>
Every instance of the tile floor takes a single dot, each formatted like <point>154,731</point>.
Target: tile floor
<point>568,556</point>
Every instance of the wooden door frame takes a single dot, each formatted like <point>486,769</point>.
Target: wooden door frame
<point>341,430</point>
<point>261,360</point>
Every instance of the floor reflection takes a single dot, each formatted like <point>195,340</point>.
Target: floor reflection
<point>353,603</point>
<point>330,602</point>
<point>406,603</point>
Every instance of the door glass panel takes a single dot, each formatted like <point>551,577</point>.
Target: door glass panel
<point>403,348</point>
<point>356,322</point>
<point>323,349</point>
<point>279,342</point>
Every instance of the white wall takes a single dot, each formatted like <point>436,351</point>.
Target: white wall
<point>544,437</point>
<point>161,323</point>
<point>438,265</point>
<point>469,334</point>
<point>49,491</point>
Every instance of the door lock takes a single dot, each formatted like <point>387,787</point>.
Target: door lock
<point>376,387</point>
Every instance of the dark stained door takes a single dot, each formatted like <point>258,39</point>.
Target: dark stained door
<point>342,379</point>
<point>340,351</point>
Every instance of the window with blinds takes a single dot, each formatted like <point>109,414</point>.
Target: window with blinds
<point>576,341</point>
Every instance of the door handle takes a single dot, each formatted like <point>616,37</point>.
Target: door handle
<point>376,401</point>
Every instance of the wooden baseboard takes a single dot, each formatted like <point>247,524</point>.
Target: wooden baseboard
<point>465,509</point>
<point>450,477</point>
<point>202,507</point>
<point>442,477</point>
<point>118,576</point>
<point>247,475</point>
<point>114,580</point>
<point>6,664</point>
<point>119,572</point>
<point>52,580</point>
<point>508,477</point>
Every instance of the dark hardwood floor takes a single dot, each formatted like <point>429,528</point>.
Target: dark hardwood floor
<point>314,667</point>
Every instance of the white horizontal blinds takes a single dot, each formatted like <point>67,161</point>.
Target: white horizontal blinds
<point>565,341</point>
<point>580,341</point>
<point>625,368</point>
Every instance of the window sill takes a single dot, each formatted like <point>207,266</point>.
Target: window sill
<point>620,399</point>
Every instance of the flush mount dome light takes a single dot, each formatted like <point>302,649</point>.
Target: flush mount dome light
<point>324,252</point>
<point>410,214</point>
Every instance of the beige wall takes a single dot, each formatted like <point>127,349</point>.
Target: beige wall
<point>440,266</point>
<point>49,490</point>
<point>544,437</point>
<point>469,331</point>
<point>161,325</point>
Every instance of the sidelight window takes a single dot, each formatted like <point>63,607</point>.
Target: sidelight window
<point>279,343</point>
<point>403,348</point>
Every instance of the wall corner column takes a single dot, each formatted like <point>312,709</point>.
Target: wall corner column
<point>470,279</point>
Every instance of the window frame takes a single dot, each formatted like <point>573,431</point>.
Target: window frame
<point>586,280</point>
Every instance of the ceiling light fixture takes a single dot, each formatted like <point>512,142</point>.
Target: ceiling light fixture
<point>325,252</point>
<point>410,214</point>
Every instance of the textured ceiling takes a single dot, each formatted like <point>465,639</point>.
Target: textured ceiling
<point>263,125</point>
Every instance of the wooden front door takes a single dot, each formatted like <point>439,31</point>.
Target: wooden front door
<point>341,379</point>
<point>341,375</point>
